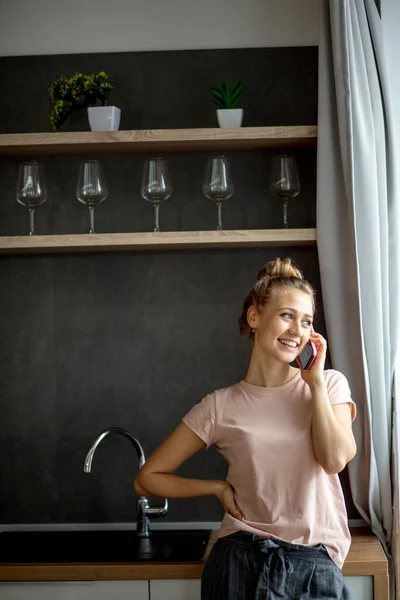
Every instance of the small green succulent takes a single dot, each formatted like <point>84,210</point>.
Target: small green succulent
<point>76,92</point>
<point>225,96</point>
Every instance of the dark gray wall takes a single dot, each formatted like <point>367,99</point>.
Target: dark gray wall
<point>133,339</point>
<point>168,89</point>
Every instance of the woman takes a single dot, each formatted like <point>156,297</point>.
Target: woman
<point>286,434</point>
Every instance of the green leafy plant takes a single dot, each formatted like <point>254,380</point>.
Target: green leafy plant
<point>225,96</point>
<point>77,92</point>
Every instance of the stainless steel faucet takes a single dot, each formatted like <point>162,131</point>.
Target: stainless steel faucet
<point>143,509</point>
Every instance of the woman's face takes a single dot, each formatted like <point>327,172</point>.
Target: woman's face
<point>284,324</point>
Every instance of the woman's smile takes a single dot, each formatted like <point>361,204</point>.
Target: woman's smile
<point>289,345</point>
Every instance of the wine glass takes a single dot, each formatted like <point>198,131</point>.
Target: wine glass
<point>31,189</point>
<point>284,182</point>
<point>91,187</point>
<point>218,184</point>
<point>156,185</point>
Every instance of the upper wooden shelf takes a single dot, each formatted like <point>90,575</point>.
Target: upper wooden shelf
<point>160,140</point>
<point>166,240</point>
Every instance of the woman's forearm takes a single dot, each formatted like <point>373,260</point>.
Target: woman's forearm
<point>333,444</point>
<point>165,485</point>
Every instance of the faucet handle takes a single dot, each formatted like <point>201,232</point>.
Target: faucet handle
<point>153,511</point>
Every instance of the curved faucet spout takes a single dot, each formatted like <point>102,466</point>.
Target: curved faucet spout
<point>114,431</point>
<point>143,509</point>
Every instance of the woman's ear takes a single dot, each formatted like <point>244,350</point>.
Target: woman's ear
<point>252,317</point>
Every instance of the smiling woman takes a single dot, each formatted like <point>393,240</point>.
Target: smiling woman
<point>285,434</point>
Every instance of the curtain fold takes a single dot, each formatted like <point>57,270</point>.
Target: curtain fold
<point>358,229</point>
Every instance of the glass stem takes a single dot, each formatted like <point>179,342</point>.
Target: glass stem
<point>219,207</point>
<point>156,217</point>
<point>31,221</point>
<point>285,221</point>
<point>91,219</point>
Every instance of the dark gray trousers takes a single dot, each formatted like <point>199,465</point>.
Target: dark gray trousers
<point>243,566</point>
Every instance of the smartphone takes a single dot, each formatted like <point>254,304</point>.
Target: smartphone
<point>307,356</point>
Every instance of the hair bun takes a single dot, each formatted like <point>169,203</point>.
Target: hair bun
<point>262,274</point>
<point>279,268</point>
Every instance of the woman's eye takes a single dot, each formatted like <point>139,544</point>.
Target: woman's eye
<point>307,322</point>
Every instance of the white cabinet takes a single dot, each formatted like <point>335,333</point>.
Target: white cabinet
<point>361,588</point>
<point>175,589</point>
<point>75,590</point>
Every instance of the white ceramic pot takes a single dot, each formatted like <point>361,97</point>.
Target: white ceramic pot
<point>104,118</point>
<point>230,117</point>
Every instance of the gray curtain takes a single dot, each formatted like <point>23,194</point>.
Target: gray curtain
<point>358,229</point>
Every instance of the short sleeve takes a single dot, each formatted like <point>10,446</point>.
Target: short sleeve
<point>339,390</point>
<point>201,419</point>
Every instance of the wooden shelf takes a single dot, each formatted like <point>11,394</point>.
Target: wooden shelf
<point>160,140</point>
<point>169,240</point>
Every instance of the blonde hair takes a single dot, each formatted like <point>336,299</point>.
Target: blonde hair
<point>275,274</point>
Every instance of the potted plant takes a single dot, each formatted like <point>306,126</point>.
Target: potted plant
<point>83,91</point>
<point>227,98</point>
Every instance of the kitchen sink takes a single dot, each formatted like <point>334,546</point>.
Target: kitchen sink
<point>102,546</point>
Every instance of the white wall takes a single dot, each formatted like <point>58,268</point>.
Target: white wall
<point>31,27</point>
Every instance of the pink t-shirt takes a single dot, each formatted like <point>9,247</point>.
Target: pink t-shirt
<point>265,436</point>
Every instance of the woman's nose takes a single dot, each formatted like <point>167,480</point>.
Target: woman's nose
<point>295,327</point>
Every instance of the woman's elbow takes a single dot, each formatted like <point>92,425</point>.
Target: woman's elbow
<point>334,468</point>
<point>139,487</point>
<point>337,466</point>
